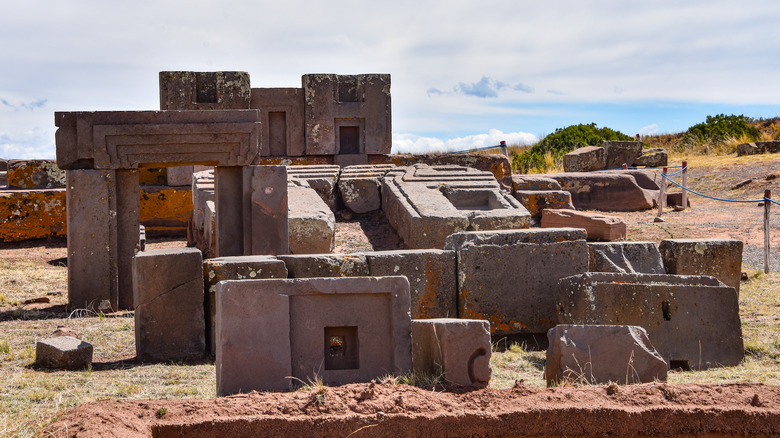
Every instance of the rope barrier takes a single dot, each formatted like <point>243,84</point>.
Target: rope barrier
<point>771,200</point>
<point>712,197</point>
<point>675,173</point>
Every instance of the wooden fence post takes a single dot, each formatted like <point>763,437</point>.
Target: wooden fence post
<point>685,184</point>
<point>661,196</point>
<point>767,206</point>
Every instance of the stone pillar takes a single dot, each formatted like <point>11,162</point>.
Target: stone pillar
<point>127,232</point>
<point>92,240</point>
<point>228,188</point>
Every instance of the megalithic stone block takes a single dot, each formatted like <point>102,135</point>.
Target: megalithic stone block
<point>458,348</point>
<point>281,114</point>
<point>132,139</point>
<point>251,203</point>
<point>169,315</point>
<point>191,90</point>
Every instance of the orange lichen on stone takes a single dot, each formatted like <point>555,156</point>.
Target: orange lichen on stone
<point>152,176</point>
<point>427,301</point>
<point>35,174</point>
<point>32,214</point>
<point>165,209</point>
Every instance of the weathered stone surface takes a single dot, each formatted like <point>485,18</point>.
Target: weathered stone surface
<point>201,229</point>
<point>598,226</point>
<point>132,139</point>
<point>511,277</point>
<point>426,204</point>
<point>32,214</point>
<point>431,274</point>
<point>189,90</point>
<point>234,268</point>
<point>536,201</point>
<point>182,175</point>
<point>594,354</point>
<point>312,225</point>
<point>326,265</point>
<point>63,352</point>
<point>770,146</point>
<point>496,164</point>
<point>749,149</point>
<point>534,182</point>
<point>281,114</point>
<point>165,211</point>
<point>675,199</point>
<point>35,174</point>
<point>168,294</point>
<point>153,176</point>
<point>609,191</point>
<point>619,153</point>
<point>720,258</point>
<point>347,114</point>
<point>360,187</point>
<point>340,329</point>
<point>459,349</point>
<point>322,178</point>
<point>693,321</point>
<point>625,257</point>
<point>585,159</point>
<point>654,157</point>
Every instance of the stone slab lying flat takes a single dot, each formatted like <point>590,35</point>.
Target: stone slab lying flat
<point>609,191</point>
<point>312,224</point>
<point>458,349</point>
<point>322,178</point>
<point>326,265</point>
<point>693,321</point>
<point>598,226</point>
<point>234,268</point>
<point>339,329</point>
<point>132,139</point>
<point>511,277</point>
<point>721,258</point>
<point>594,354</point>
<point>536,201</point>
<point>168,298</point>
<point>63,352</point>
<point>625,257</point>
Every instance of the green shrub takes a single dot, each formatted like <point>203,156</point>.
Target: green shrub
<point>721,128</point>
<point>561,142</point>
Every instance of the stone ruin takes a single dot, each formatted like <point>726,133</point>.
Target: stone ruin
<point>270,296</point>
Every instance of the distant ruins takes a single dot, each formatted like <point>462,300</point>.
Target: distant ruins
<point>263,292</point>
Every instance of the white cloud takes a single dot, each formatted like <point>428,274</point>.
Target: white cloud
<point>415,144</point>
<point>649,130</point>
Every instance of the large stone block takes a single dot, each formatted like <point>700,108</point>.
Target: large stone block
<point>598,226</point>
<point>190,90</point>
<point>201,229</point>
<point>312,225</point>
<point>625,257</point>
<point>496,164</point>
<point>619,153</point>
<point>281,113</point>
<point>431,274</point>
<point>63,352</point>
<point>322,178</point>
<point>132,139</point>
<point>654,157</point>
<point>426,204</point>
<point>326,265</point>
<point>536,201</point>
<point>609,191</point>
<point>720,258</point>
<point>168,293</point>
<point>32,214</point>
<point>343,330</point>
<point>585,159</point>
<point>693,321</point>
<point>234,268</point>
<point>182,175</point>
<point>165,211</point>
<point>511,277</point>
<point>35,174</point>
<point>458,349</point>
<point>534,183</point>
<point>360,187</point>
<point>594,354</point>
<point>347,114</point>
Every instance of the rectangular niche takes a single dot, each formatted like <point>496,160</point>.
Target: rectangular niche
<point>350,136</point>
<point>342,351</point>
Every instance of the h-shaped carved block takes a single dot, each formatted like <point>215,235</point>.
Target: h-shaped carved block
<point>458,348</point>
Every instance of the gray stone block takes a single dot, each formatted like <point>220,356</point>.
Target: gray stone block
<point>322,178</point>
<point>625,257</point>
<point>534,183</point>
<point>234,268</point>
<point>360,187</point>
<point>619,153</point>
<point>655,157</point>
<point>169,318</point>
<point>720,258</point>
<point>512,283</point>
<point>189,90</point>
<point>585,159</point>
<point>326,265</point>
<point>597,354</point>
<point>431,275</point>
<point>693,321</point>
<point>63,352</point>
<point>312,225</point>
<point>343,330</point>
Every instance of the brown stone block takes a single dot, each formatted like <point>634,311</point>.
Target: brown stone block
<point>152,176</point>
<point>340,329</point>
<point>168,298</point>
<point>625,257</point>
<point>132,139</point>
<point>535,201</point>
<point>621,152</point>
<point>265,210</point>
<point>63,352</point>
<point>496,164</point>
<point>326,265</point>
<point>585,159</point>
<point>35,174</point>
<point>598,226</point>
<point>609,191</point>
<point>165,211</point>
<point>189,90</point>
<point>312,225</point>
<point>281,113</point>
<point>32,214</point>
<point>459,349</point>
<point>720,258</point>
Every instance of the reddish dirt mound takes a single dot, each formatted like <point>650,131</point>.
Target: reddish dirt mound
<point>405,411</point>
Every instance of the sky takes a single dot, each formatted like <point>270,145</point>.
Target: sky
<point>464,73</point>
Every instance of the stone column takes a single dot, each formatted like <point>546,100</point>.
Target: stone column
<point>127,232</point>
<point>228,200</point>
